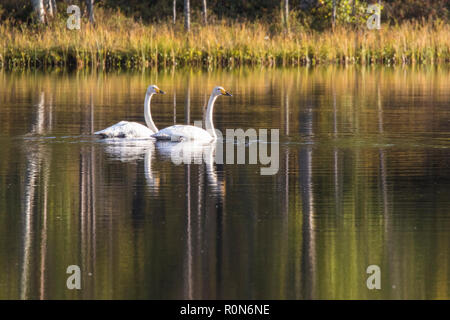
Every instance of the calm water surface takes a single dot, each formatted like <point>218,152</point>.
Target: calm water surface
<point>364,178</point>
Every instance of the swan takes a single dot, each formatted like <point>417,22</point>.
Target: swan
<point>188,132</point>
<point>125,129</point>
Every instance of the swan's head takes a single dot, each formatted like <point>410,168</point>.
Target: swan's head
<point>154,89</point>
<point>220,91</point>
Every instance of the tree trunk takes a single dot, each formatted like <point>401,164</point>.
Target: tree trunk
<point>53,2</point>
<point>174,11</point>
<point>354,13</point>
<point>38,6</point>
<point>187,16</point>
<point>334,13</point>
<point>90,10</point>
<point>286,13</point>
<point>48,8</point>
<point>205,13</point>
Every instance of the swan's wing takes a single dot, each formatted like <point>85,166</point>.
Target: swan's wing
<point>125,129</point>
<point>182,133</point>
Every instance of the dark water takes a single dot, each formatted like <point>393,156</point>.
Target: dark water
<point>364,179</point>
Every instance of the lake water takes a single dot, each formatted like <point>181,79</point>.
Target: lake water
<point>363,179</point>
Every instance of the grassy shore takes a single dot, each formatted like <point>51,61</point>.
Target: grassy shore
<point>119,42</point>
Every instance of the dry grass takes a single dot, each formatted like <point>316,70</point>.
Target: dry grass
<point>118,42</point>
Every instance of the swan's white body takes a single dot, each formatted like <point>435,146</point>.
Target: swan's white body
<point>126,129</point>
<point>187,132</point>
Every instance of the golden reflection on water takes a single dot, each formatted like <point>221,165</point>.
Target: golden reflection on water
<point>364,179</point>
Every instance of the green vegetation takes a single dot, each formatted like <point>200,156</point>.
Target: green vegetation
<point>135,39</point>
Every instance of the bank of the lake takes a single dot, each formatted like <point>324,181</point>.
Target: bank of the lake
<point>122,43</point>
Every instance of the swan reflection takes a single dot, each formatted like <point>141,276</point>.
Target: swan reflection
<point>188,152</point>
<point>127,150</point>
<point>131,150</point>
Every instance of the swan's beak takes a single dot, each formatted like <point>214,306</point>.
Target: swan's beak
<point>224,93</point>
<point>161,92</point>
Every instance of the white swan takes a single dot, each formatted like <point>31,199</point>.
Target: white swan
<point>125,129</point>
<point>187,132</point>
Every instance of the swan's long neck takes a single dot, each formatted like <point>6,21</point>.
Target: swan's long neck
<point>148,114</point>
<point>209,116</point>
